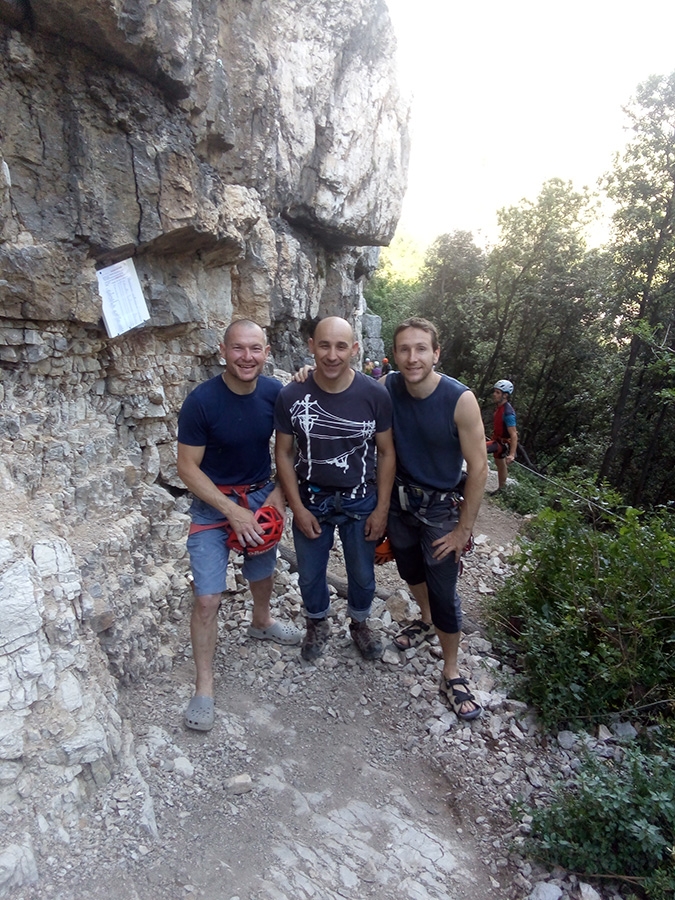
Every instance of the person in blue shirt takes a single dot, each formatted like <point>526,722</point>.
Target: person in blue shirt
<point>224,431</point>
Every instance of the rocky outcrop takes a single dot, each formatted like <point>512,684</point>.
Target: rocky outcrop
<point>250,157</point>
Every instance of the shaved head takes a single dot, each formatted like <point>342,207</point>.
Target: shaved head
<point>242,325</point>
<point>336,326</point>
<point>333,347</point>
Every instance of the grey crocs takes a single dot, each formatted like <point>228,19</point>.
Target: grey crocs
<point>200,714</point>
<point>279,632</point>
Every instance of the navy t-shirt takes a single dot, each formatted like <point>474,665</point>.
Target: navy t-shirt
<point>234,428</point>
<point>335,433</point>
<point>428,451</point>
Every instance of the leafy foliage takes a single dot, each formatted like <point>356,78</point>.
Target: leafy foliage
<point>642,185</point>
<point>451,296</point>
<point>585,335</point>
<point>629,834</point>
<point>591,614</point>
<point>393,293</point>
<point>523,496</point>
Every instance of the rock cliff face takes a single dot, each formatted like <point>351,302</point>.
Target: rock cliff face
<point>250,156</point>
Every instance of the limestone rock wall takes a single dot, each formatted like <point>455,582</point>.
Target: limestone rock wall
<point>250,156</point>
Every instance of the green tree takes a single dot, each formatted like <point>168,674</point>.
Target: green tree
<point>393,292</point>
<point>452,280</point>
<point>543,323</point>
<point>642,185</point>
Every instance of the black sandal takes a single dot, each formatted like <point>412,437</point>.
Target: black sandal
<point>414,634</point>
<point>452,688</point>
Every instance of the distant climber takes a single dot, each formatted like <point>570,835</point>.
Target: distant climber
<point>504,441</point>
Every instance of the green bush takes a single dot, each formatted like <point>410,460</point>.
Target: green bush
<point>523,495</point>
<point>590,614</point>
<point>618,820</point>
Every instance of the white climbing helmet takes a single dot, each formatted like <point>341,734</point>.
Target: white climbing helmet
<point>505,386</point>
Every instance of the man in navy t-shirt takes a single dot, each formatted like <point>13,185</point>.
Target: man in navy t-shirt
<point>224,430</point>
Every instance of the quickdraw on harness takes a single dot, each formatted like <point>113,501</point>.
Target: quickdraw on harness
<point>317,493</point>
<point>408,490</point>
<point>499,447</point>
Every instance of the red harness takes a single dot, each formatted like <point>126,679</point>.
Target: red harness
<point>232,490</point>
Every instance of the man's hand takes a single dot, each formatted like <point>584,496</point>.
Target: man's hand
<point>303,374</point>
<point>454,542</point>
<point>376,525</point>
<point>244,525</point>
<point>307,523</point>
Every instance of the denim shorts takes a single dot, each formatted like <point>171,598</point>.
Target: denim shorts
<point>209,552</point>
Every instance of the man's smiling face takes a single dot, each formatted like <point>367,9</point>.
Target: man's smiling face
<point>245,352</point>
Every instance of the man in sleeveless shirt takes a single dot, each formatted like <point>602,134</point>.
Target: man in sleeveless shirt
<point>224,430</point>
<point>437,426</point>
<point>328,431</point>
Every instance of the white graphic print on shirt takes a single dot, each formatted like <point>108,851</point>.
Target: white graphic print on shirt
<point>330,441</point>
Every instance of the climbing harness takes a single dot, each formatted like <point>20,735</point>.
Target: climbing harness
<point>231,490</point>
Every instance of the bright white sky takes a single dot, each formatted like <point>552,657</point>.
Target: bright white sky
<point>510,93</point>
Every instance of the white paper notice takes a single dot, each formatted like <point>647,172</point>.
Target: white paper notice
<point>124,305</point>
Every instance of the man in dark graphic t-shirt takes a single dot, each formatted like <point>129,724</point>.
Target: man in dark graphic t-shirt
<point>339,418</point>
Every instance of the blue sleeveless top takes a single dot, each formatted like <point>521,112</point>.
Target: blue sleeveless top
<point>428,451</point>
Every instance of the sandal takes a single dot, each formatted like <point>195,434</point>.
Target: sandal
<point>452,688</point>
<point>200,715</point>
<point>413,635</point>
<point>279,632</point>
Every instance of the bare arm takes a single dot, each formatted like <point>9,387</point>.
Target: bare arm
<point>513,443</point>
<point>284,453</point>
<point>241,520</point>
<point>472,440</point>
<point>303,374</point>
<point>376,523</point>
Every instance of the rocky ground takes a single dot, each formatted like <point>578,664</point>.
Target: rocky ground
<point>340,779</point>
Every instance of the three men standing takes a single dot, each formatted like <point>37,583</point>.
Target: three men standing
<point>336,465</point>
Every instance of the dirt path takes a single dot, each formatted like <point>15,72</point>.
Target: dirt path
<point>318,781</point>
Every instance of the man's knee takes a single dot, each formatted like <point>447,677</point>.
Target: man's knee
<point>207,605</point>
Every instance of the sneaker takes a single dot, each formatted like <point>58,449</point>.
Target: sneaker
<point>368,645</point>
<point>316,638</point>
